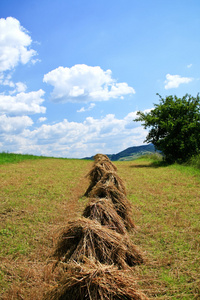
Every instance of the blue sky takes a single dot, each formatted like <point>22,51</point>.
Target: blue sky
<point>74,73</point>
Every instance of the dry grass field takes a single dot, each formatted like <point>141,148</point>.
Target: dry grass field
<point>38,197</point>
<point>166,203</point>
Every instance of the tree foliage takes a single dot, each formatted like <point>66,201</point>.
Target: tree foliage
<point>174,127</point>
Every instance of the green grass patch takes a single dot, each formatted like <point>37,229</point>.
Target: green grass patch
<point>190,170</point>
<point>15,158</point>
<point>155,156</point>
<point>6,157</point>
<point>194,161</point>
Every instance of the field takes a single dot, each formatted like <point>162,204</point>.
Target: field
<point>39,196</point>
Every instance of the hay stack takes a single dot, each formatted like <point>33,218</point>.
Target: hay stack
<point>94,281</point>
<point>111,178</point>
<point>99,157</point>
<point>98,174</point>
<point>103,211</point>
<point>85,237</point>
<point>105,162</point>
<point>95,175</point>
<point>119,200</point>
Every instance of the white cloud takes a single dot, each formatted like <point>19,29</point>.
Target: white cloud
<point>22,103</point>
<point>14,44</point>
<point>189,66</point>
<point>6,80</point>
<point>83,109</point>
<point>42,119</point>
<point>173,81</point>
<point>77,139</point>
<point>20,87</point>
<point>14,125</point>
<point>82,83</point>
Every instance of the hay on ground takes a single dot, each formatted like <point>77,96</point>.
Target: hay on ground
<point>94,281</point>
<point>111,177</point>
<point>106,176</point>
<point>85,237</point>
<point>103,211</point>
<point>100,156</point>
<point>103,160</point>
<point>121,203</point>
<point>95,175</point>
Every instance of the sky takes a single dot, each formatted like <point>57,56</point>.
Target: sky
<point>73,74</point>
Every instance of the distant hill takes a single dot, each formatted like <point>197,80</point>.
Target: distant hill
<point>130,153</point>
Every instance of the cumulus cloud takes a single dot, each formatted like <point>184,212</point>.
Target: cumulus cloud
<point>75,139</point>
<point>14,125</point>
<point>14,44</point>
<point>84,109</point>
<point>173,81</point>
<point>20,87</point>
<point>82,83</point>
<point>17,87</point>
<point>6,80</point>
<point>22,103</point>
<point>42,119</point>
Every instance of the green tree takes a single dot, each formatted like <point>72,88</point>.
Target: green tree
<point>174,127</point>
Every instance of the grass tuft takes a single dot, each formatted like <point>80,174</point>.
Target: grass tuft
<point>194,161</point>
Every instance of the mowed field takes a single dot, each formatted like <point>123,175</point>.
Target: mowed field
<point>39,197</point>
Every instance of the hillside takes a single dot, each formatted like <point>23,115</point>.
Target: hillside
<point>130,153</point>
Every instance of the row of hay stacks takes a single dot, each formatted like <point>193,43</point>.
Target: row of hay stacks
<point>95,252</point>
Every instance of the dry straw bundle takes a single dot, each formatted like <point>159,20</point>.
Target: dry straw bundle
<point>105,162</point>
<point>94,281</point>
<point>110,178</point>
<point>95,175</point>
<point>85,237</point>
<point>98,157</point>
<point>103,211</point>
<point>119,200</point>
<point>103,170</point>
